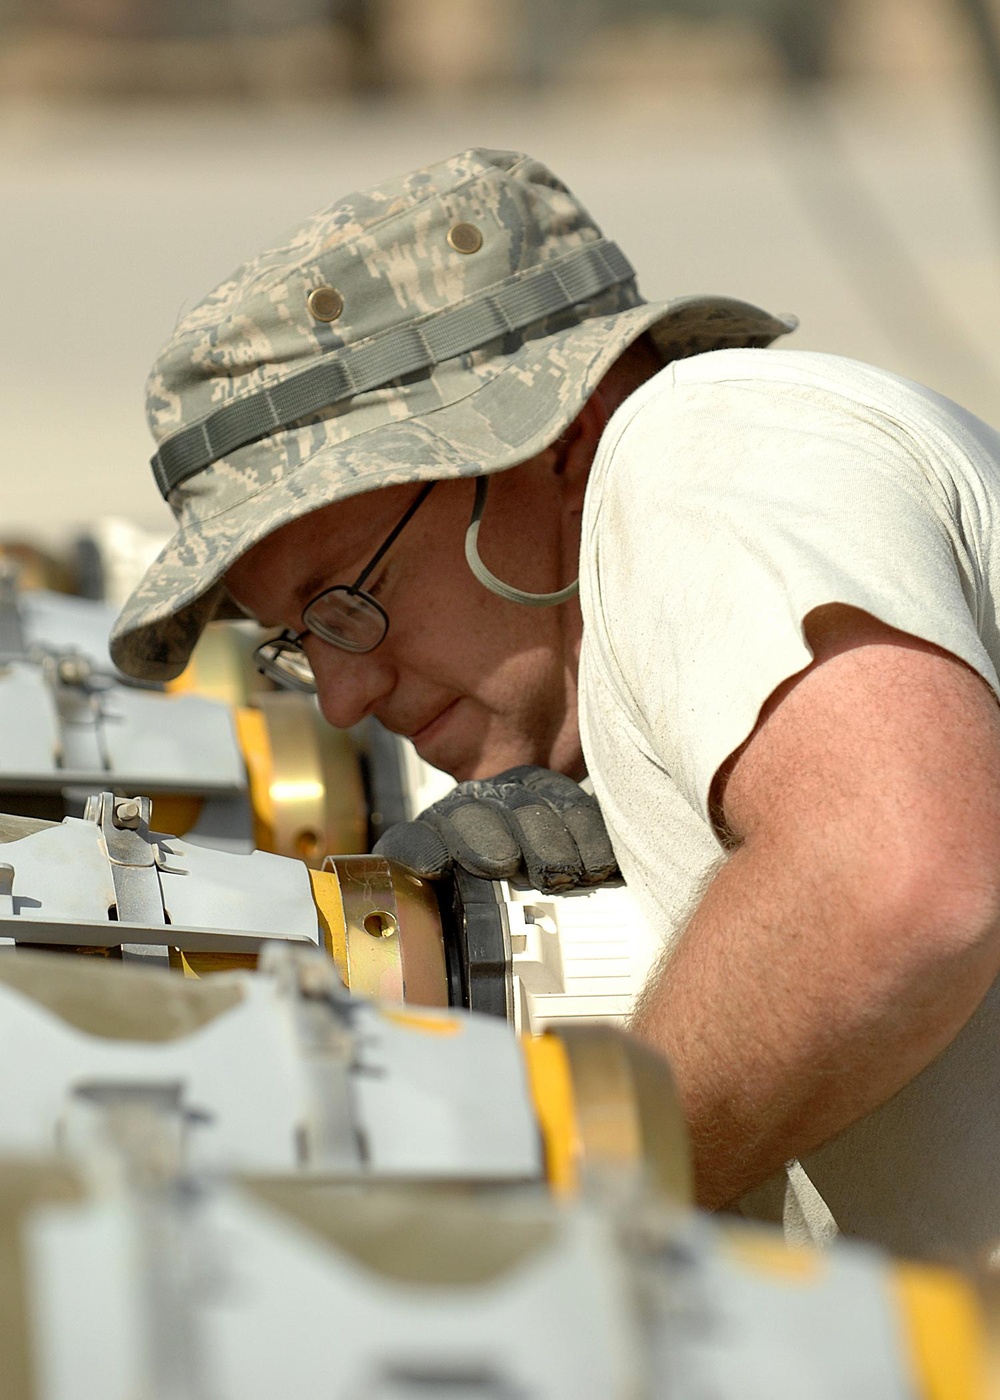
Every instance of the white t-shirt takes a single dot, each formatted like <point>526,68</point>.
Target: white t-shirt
<point>731,495</point>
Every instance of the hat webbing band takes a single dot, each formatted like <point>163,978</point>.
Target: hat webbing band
<point>355,369</point>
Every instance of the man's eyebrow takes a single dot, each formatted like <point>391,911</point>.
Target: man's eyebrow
<point>319,582</point>
<point>314,585</point>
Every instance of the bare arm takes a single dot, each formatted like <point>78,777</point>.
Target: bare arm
<point>856,926</point>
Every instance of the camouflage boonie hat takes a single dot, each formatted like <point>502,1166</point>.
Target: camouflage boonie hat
<point>448,323</point>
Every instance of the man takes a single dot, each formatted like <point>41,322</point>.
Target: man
<point>780,674</point>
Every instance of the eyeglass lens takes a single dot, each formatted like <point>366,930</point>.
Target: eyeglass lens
<point>286,663</point>
<point>346,618</point>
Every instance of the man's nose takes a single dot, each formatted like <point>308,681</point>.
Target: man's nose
<point>348,684</point>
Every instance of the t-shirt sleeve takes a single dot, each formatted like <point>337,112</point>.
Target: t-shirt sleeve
<point>725,513</point>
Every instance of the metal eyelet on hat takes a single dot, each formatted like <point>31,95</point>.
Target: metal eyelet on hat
<point>325,303</point>
<point>465,238</point>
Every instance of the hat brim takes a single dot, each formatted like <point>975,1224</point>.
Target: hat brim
<point>498,422</point>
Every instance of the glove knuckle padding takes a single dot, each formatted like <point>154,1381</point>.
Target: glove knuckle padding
<point>535,783</point>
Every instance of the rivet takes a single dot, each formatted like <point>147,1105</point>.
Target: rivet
<point>325,303</point>
<point>465,238</point>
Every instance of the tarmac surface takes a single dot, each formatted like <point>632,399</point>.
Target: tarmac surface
<point>876,220</point>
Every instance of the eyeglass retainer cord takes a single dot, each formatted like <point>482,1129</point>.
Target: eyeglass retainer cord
<point>489,580</point>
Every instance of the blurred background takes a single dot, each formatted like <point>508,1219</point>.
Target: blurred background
<point>835,158</point>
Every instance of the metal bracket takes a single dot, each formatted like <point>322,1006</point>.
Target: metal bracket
<point>132,854</point>
<point>323,1013</point>
<point>77,695</point>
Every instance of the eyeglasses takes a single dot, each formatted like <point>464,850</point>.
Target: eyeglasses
<point>345,616</point>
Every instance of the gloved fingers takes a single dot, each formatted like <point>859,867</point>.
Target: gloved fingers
<point>418,845</point>
<point>478,835</point>
<point>527,822</point>
<point>580,820</point>
<point>460,830</point>
<point>550,855</point>
<point>585,824</point>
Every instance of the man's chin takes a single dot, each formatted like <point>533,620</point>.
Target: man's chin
<point>456,744</point>
<point>461,768</point>
<point>466,764</point>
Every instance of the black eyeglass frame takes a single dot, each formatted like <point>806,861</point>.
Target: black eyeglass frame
<point>266,654</point>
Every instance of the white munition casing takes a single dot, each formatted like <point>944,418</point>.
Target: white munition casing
<point>95,731</point>
<point>63,887</point>
<point>278,1081</point>
<point>136,739</point>
<point>219,1293</point>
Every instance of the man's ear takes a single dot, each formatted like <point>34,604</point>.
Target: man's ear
<point>577,445</point>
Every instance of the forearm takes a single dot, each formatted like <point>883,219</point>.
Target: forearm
<point>798,1000</point>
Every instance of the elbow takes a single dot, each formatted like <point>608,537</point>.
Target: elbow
<point>935,899</point>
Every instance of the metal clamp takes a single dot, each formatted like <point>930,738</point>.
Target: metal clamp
<point>323,1013</point>
<point>124,823</point>
<point>79,706</point>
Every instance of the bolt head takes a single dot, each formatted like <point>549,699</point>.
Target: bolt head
<point>74,670</point>
<point>128,813</point>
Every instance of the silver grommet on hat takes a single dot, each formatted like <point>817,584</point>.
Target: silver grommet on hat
<point>325,303</point>
<point>465,238</point>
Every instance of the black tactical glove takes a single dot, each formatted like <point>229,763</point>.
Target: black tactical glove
<point>527,823</point>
